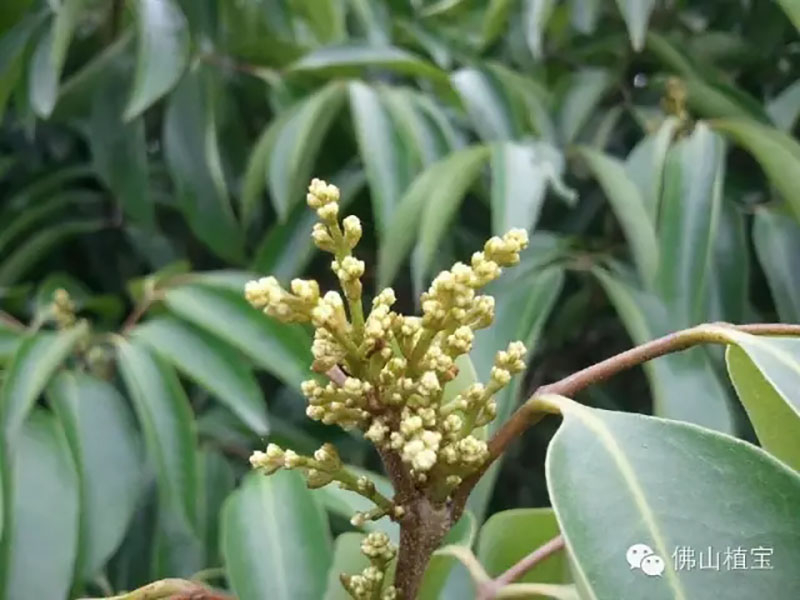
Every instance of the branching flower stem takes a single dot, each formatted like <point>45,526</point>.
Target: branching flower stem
<point>528,414</point>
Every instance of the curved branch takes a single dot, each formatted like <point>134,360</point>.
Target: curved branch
<point>528,414</point>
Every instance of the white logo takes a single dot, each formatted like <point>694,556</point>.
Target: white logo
<point>641,556</point>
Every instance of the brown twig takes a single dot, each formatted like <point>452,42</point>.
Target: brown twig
<point>526,415</point>
<point>525,564</point>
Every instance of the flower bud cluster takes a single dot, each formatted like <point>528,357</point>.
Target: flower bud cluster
<point>388,372</point>
<point>369,583</point>
<point>63,309</point>
<point>325,466</point>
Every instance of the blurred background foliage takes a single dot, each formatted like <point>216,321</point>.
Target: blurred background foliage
<point>154,154</point>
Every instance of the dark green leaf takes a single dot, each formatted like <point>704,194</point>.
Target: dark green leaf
<point>670,485</point>
<point>34,363</point>
<point>385,157</point>
<point>645,165</point>
<point>784,109</point>
<point>166,419</point>
<point>192,154</point>
<point>777,241</point>
<point>693,178</point>
<point>283,350</point>
<point>106,450</point>
<point>260,559</point>
<point>212,363</point>
<point>776,152</point>
<point>585,90</point>
<point>40,536</point>
<point>629,208</point>
<point>792,10</point>
<point>163,52</point>
<point>443,183</point>
<point>486,103</point>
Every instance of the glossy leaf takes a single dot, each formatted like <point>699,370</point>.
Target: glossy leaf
<point>784,109</point>
<point>166,419</point>
<point>486,104</point>
<point>296,145</point>
<point>260,561</point>
<point>163,54</point>
<point>495,19</point>
<point>636,14</point>
<point>345,59</point>
<point>645,165</point>
<point>676,380</point>
<point>536,14</point>
<point>521,176</point>
<point>586,88</point>
<point>510,535</point>
<point>442,206</point>
<point>107,453</point>
<point>776,152</point>
<point>688,219</point>
<point>283,350</point>
<point>119,152</point>
<point>766,374</point>
<point>632,473</point>
<point>211,363</point>
<point>730,273</point>
<point>792,10</point>
<point>442,184</point>
<point>385,158</point>
<point>35,361</point>
<point>50,56</point>
<point>629,208</point>
<point>192,155</point>
<point>40,537</point>
<point>777,242</point>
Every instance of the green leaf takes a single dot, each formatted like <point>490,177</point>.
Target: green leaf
<point>107,453</point>
<point>766,374</point>
<point>255,176</point>
<point>381,149</point>
<point>776,152</point>
<point>636,14</point>
<point>351,59</point>
<point>521,175</point>
<point>326,18</point>
<point>488,107</point>
<point>777,242</point>
<point>163,52</point>
<point>584,91</point>
<point>34,363</point>
<point>494,21</point>
<point>536,14</point>
<point>508,536</point>
<point>211,363</point>
<point>784,109</point>
<point>119,152</point>
<point>792,10</point>
<point>166,419</point>
<point>690,206</point>
<point>730,271</point>
<point>192,155</point>
<point>283,350</point>
<point>50,56</point>
<point>40,538</point>
<point>261,560</point>
<point>296,144</point>
<point>669,485</point>
<point>416,129</point>
<point>13,43</point>
<point>36,247</point>
<point>10,337</point>
<point>219,480</point>
<point>585,14</point>
<point>441,205</point>
<point>629,208</point>
<point>443,183</point>
<point>645,165</point>
<point>676,380</point>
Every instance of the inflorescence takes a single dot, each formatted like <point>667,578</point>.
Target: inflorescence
<point>387,371</point>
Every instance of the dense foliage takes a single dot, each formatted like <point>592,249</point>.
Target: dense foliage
<point>154,156</point>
